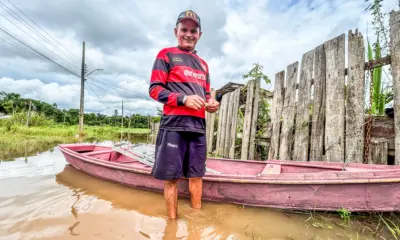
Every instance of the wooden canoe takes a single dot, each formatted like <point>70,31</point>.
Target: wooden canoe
<point>314,186</point>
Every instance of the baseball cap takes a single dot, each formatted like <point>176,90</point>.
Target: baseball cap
<point>189,14</point>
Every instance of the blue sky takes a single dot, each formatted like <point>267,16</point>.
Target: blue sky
<point>123,37</point>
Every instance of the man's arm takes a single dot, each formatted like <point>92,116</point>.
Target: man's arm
<point>158,81</point>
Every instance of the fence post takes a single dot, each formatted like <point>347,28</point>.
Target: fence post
<point>253,128</point>
<point>276,114</point>
<point>288,113</point>
<point>355,99</point>
<point>319,105</point>
<point>247,120</point>
<point>394,23</point>
<point>335,111</point>
<point>302,136</point>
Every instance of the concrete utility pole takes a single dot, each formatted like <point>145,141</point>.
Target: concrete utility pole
<point>83,79</point>
<point>82,91</point>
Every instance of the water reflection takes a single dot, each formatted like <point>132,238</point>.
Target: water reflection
<point>214,221</point>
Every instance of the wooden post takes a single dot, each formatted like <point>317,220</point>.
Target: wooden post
<point>29,114</point>
<point>288,113</point>
<point>235,109</point>
<point>247,120</point>
<point>221,122</point>
<point>210,126</point>
<point>276,114</point>
<point>82,91</point>
<point>335,112</point>
<point>253,126</point>
<point>302,134</point>
<point>395,64</point>
<point>354,148</point>
<point>318,114</point>
<point>378,153</point>
<point>228,126</point>
<point>224,124</point>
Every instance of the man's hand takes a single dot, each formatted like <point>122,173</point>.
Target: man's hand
<point>195,102</point>
<point>212,106</point>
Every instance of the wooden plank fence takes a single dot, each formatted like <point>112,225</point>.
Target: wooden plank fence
<point>316,111</point>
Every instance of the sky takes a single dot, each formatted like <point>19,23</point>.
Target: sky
<point>123,37</point>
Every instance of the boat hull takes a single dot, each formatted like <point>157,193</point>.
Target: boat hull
<point>362,196</point>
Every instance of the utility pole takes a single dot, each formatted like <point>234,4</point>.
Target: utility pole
<point>82,90</point>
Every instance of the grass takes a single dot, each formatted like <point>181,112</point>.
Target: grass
<point>16,141</point>
<point>379,225</point>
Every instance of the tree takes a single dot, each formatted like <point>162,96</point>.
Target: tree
<point>256,72</point>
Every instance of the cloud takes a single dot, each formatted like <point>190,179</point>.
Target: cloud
<point>123,37</point>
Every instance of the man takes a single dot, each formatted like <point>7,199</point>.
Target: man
<point>180,80</point>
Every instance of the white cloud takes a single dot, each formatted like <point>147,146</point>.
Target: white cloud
<point>236,34</point>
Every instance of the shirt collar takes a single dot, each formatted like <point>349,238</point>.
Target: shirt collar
<point>194,51</point>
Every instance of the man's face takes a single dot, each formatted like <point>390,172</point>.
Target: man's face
<point>188,33</point>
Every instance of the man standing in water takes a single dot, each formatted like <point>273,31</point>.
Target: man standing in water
<point>180,80</point>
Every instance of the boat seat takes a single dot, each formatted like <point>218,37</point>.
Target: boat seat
<point>97,152</point>
<point>271,169</point>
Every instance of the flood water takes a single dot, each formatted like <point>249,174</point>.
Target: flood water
<point>42,197</point>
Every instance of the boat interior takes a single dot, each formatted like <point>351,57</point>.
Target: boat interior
<point>224,166</point>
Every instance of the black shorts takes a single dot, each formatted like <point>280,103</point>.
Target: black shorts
<point>179,154</point>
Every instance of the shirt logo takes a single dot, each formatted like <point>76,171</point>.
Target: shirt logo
<point>189,73</point>
<point>177,59</point>
<point>172,145</point>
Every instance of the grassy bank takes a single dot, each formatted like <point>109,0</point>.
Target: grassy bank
<point>18,141</point>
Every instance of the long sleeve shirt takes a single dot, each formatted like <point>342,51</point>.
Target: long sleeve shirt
<point>177,73</point>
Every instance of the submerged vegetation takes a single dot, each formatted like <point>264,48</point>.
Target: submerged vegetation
<point>17,139</point>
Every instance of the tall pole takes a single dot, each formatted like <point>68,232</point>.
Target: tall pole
<point>82,91</point>
<point>122,123</point>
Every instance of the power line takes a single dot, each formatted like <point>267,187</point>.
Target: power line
<point>109,86</point>
<point>4,38</point>
<point>37,52</point>
<point>15,16</point>
<point>35,39</point>
<point>66,50</point>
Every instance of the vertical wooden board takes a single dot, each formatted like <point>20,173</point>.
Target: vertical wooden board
<point>378,153</point>
<point>235,108</point>
<point>395,65</point>
<point>210,126</point>
<point>228,125</point>
<point>288,113</point>
<point>207,125</point>
<point>318,112</point>
<point>276,114</point>
<point>253,125</point>
<point>355,99</point>
<point>219,129</point>
<point>302,135</point>
<point>335,112</point>
<point>223,126</point>
<point>247,120</point>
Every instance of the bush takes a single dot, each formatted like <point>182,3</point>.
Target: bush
<point>36,120</point>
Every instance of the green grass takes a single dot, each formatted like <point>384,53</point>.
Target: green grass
<point>16,141</point>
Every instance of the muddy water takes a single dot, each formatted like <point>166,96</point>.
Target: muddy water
<point>42,197</point>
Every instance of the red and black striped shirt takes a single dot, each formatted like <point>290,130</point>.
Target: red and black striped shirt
<point>177,73</point>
